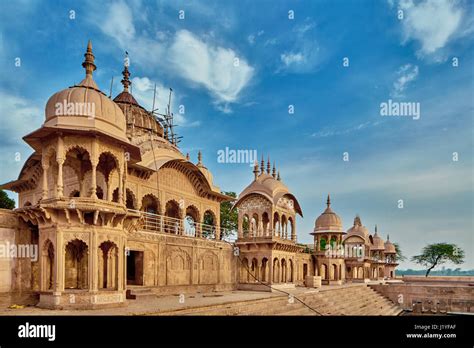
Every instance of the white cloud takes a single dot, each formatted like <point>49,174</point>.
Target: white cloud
<point>406,74</point>
<point>197,60</point>
<point>211,66</point>
<point>118,23</point>
<point>292,58</point>
<point>23,118</point>
<point>431,22</point>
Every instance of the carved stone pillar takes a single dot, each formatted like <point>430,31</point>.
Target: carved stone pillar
<point>60,184</point>
<point>45,181</point>
<point>240,232</point>
<point>94,180</point>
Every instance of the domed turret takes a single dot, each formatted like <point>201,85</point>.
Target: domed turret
<point>328,220</point>
<point>377,242</point>
<point>83,108</point>
<point>389,246</point>
<point>138,119</point>
<point>269,185</point>
<point>358,230</point>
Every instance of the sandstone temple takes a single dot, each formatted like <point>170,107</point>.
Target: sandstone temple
<point>112,204</point>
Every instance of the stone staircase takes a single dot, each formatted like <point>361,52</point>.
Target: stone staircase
<point>139,292</point>
<point>345,300</point>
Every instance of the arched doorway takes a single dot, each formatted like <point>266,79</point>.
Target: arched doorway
<point>276,270</point>
<point>283,270</point>
<point>324,272</point>
<point>244,275</point>
<point>48,265</point>
<point>173,223</point>
<point>108,265</point>
<point>263,270</point>
<point>209,227</point>
<point>290,271</point>
<point>191,222</point>
<point>76,265</point>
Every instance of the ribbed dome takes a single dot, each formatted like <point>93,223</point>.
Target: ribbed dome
<point>377,242</point>
<point>328,220</point>
<point>271,187</point>
<point>85,107</point>
<point>389,246</point>
<point>358,230</point>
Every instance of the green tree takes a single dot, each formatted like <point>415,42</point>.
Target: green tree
<point>5,201</point>
<point>229,217</point>
<point>399,256</point>
<point>434,255</point>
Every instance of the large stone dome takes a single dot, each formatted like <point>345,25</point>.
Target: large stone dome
<point>85,107</point>
<point>328,221</point>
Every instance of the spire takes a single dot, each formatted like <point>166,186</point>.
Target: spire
<point>278,177</point>
<point>255,170</point>
<point>89,66</point>
<point>388,237</point>
<point>262,166</point>
<point>274,170</point>
<point>199,158</point>
<point>328,202</point>
<point>375,230</point>
<point>268,165</point>
<point>357,221</point>
<point>88,63</point>
<point>126,74</point>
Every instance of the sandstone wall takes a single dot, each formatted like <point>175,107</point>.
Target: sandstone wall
<point>440,294</point>
<point>179,264</point>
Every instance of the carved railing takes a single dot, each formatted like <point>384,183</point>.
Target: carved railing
<point>182,227</point>
<point>269,233</point>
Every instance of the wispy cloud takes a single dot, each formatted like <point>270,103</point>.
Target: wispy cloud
<point>24,116</point>
<point>329,132</point>
<point>305,54</point>
<point>405,75</point>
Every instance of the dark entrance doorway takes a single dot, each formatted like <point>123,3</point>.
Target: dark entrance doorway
<point>305,272</point>
<point>135,268</point>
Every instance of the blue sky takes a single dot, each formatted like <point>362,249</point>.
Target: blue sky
<point>281,62</point>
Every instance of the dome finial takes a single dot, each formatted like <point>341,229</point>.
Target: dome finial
<point>187,156</point>
<point>274,170</point>
<point>199,158</point>
<point>388,237</point>
<point>255,170</point>
<point>357,221</point>
<point>375,229</point>
<point>126,74</point>
<point>328,202</point>
<point>88,63</point>
<point>278,176</point>
<point>262,165</point>
<point>268,165</point>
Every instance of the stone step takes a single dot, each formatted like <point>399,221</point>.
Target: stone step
<point>354,300</point>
